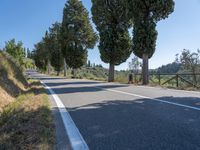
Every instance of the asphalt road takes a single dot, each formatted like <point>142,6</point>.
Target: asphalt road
<point>114,116</point>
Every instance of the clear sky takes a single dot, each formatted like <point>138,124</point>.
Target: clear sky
<point>27,21</point>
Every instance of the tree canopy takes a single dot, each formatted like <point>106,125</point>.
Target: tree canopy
<point>77,34</point>
<point>40,56</point>
<point>56,57</point>
<point>16,50</point>
<point>112,23</point>
<point>144,15</point>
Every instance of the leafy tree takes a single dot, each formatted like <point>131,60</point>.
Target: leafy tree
<point>16,50</point>
<point>56,57</point>
<point>190,62</point>
<point>77,34</point>
<point>135,65</point>
<point>144,15</point>
<point>112,23</point>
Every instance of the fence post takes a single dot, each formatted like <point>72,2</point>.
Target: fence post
<point>177,84</point>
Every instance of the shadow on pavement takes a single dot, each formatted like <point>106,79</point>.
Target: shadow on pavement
<point>72,83</point>
<point>140,124</point>
<point>50,78</point>
<point>70,90</point>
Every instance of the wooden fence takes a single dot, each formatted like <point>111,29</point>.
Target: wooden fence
<point>178,78</point>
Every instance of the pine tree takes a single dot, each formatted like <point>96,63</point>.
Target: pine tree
<point>113,24</point>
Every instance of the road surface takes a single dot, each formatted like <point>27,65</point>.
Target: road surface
<point>114,116</point>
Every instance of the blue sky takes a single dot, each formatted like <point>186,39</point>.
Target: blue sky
<point>27,21</point>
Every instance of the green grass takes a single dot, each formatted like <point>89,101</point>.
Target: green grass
<point>27,123</point>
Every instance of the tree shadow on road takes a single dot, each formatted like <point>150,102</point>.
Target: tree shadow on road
<point>140,124</point>
<point>84,89</point>
<point>73,83</point>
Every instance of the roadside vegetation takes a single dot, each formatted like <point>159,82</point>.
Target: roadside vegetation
<point>65,44</point>
<point>63,48</point>
<point>26,121</point>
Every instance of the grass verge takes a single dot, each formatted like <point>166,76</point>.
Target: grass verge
<point>27,122</point>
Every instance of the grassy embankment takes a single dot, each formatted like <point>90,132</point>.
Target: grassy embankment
<point>26,121</point>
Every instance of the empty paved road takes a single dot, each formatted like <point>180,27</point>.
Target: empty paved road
<point>114,116</point>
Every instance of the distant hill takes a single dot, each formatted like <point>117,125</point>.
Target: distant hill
<point>171,68</point>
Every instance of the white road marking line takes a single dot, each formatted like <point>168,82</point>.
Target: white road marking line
<point>76,140</point>
<point>163,88</point>
<point>154,99</point>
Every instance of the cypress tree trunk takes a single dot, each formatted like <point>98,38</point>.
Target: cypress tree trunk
<point>65,68</point>
<point>58,73</point>
<point>145,70</point>
<point>48,67</point>
<point>73,73</point>
<point>111,73</point>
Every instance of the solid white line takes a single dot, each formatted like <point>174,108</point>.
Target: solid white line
<point>154,99</point>
<point>76,140</point>
<point>175,90</point>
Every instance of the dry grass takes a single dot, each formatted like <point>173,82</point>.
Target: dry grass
<point>11,68</point>
<point>27,123</point>
<point>12,81</point>
<point>5,99</point>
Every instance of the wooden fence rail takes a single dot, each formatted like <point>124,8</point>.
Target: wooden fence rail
<point>176,77</point>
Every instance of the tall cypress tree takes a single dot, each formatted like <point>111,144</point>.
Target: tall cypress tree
<point>56,57</point>
<point>110,17</point>
<point>40,56</point>
<point>144,15</point>
<point>77,34</point>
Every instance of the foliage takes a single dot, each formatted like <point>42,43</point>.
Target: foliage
<point>16,50</point>
<point>27,122</point>
<point>144,15</point>
<point>48,50</point>
<point>56,57</point>
<point>40,56</point>
<point>113,24</point>
<point>29,63</point>
<point>171,68</point>
<point>135,65</point>
<point>190,62</point>
<point>77,34</point>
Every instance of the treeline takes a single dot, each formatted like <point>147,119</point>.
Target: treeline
<point>171,68</point>
<point>66,43</point>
